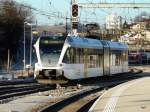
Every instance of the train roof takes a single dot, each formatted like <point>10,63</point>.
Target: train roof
<point>77,41</point>
<point>84,42</point>
<point>117,45</point>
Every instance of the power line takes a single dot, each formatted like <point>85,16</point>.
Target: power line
<point>53,14</point>
<point>67,2</point>
<point>95,14</point>
<point>48,14</point>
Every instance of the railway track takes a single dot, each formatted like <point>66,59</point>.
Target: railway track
<point>10,87</point>
<point>83,96</point>
<point>82,101</point>
<point>69,102</point>
<point>12,92</point>
<point>16,82</point>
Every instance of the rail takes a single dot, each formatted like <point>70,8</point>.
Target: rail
<point>93,91</point>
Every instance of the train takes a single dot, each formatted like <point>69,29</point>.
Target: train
<point>139,57</point>
<point>75,58</point>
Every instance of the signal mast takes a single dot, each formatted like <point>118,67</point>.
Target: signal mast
<point>74,17</point>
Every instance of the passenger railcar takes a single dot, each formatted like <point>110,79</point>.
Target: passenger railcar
<point>139,57</point>
<point>79,58</point>
<point>135,58</point>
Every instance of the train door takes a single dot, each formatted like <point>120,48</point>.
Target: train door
<point>106,64</point>
<point>85,62</point>
<point>122,60</point>
<point>106,59</point>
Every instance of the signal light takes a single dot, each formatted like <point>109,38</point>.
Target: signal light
<point>75,10</point>
<point>74,25</point>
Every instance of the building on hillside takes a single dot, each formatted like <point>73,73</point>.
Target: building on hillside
<point>47,30</point>
<point>113,22</point>
<point>139,30</point>
<point>138,26</point>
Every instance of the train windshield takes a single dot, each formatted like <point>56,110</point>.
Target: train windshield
<point>50,49</point>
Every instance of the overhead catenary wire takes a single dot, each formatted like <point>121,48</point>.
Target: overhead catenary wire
<point>60,15</point>
<point>48,14</point>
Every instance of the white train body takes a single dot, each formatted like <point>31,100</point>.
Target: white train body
<point>81,58</point>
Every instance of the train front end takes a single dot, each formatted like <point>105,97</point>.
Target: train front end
<point>48,50</point>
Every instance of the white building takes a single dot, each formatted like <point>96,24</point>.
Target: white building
<point>113,22</point>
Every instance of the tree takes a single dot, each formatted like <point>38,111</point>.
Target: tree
<point>12,17</point>
<point>141,16</point>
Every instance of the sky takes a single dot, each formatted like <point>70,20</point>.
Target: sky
<point>90,15</point>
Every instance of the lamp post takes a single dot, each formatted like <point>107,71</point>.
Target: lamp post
<point>24,60</point>
<point>31,46</point>
<point>29,24</point>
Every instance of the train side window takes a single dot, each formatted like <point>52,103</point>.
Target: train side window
<point>112,58</point>
<point>79,55</point>
<point>118,59</point>
<point>94,58</point>
<point>126,54</point>
<point>99,59</point>
<point>67,57</point>
<point>91,62</point>
<point>72,55</point>
<point>90,58</point>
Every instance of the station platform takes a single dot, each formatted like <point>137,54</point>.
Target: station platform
<point>132,96</point>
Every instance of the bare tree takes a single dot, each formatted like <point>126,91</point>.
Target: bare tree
<point>141,16</point>
<point>12,17</point>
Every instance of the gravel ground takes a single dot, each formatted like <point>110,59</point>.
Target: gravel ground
<point>39,100</point>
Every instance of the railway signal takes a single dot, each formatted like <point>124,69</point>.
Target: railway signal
<point>75,10</point>
<point>74,25</point>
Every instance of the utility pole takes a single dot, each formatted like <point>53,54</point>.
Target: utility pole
<point>74,16</point>
<point>31,46</point>
<point>8,60</point>
<point>66,26</point>
<point>103,4</point>
<point>24,49</point>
